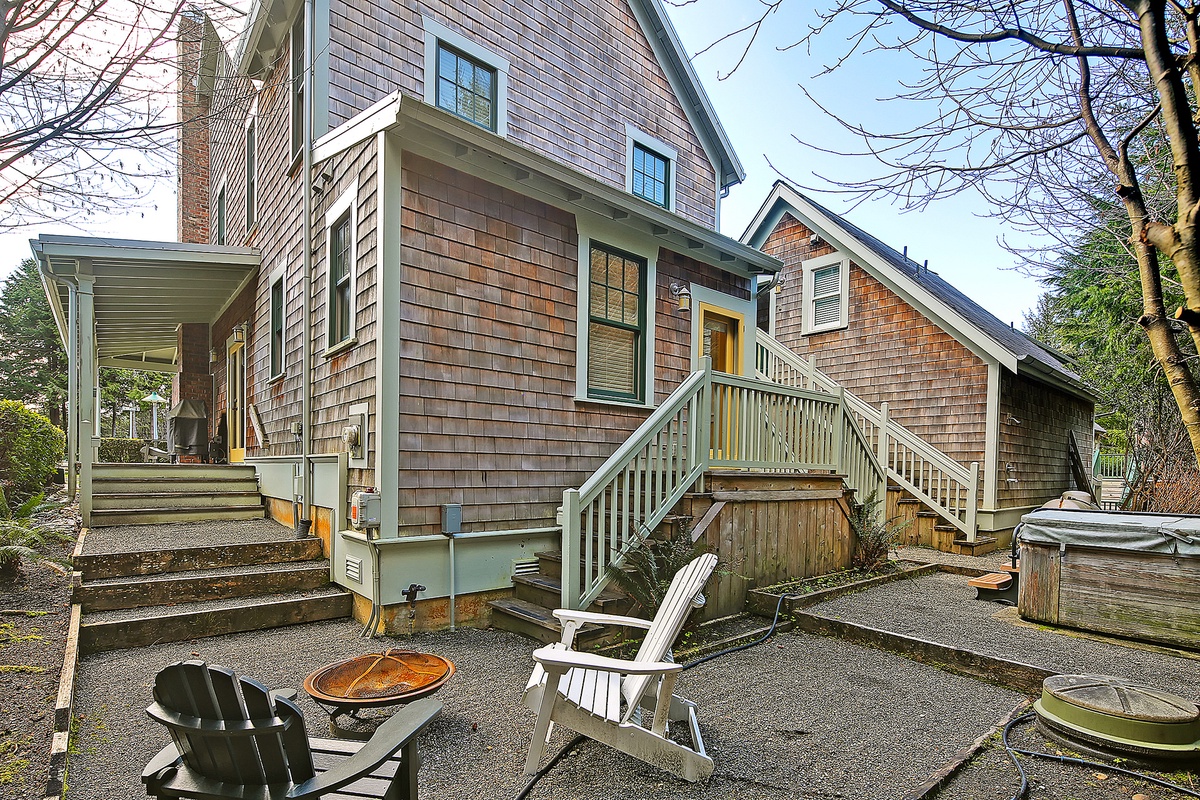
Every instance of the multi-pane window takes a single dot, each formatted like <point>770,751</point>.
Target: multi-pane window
<point>466,87</point>
<point>277,327</point>
<point>340,278</point>
<point>251,173</point>
<point>616,324</point>
<point>826,300</point>
<point>297,85</point>
<point>651,176</point>
<point>221,219</point>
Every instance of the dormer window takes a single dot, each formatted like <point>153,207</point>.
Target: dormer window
<point>649,168</point>
<point>465,79</point>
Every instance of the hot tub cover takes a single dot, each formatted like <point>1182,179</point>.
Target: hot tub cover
<point>1175,534</point>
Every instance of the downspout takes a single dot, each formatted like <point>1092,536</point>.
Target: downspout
<point>306,278</point>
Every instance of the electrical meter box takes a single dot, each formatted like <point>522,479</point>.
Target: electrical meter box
<point>364,510</point>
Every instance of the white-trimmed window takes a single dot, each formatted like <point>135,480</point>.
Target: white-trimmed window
<point>252,166</point>
<point>464,78</point>
<point>340,230</point>
<point>297,85</point>
<point>617,276</point>
<point>278,322</point>
<point>826,293</point>
<point>649,168</point>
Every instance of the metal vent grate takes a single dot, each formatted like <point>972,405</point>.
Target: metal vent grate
<point>354,569</point>
<point>525,566</point>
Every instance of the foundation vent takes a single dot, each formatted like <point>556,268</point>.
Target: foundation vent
<point>526,566</point>
<point>354,569</point>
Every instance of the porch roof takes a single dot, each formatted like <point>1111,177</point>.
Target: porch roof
<point>143,291</point>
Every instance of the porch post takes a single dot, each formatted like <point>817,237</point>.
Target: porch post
<point>881,452</point>
<point>839,431</point>
<point>72,420</point>
<point>87,392</point>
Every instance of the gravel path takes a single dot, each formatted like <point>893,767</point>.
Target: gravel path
<point>927,555</point>
<point>799,716</point>
<point>137,538</point>
<point>942,608</point>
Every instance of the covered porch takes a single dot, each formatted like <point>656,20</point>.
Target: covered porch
<point>131,304</point>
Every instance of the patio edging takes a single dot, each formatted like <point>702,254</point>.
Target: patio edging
<point>60,742</point>
<point>934,783</point>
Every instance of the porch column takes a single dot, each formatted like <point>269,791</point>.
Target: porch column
<point>72,420</point>
<point>194,379</point>
<point>88,375</point>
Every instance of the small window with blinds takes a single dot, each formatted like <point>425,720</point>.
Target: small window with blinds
<point>826,295</point>
<point>616,325</point>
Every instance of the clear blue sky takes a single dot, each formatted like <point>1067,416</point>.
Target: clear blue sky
<point>765,112</point>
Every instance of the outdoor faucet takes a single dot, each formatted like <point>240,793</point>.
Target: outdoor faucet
<point>410,595</point>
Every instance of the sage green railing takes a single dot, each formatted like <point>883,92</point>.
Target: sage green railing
<point>942,483</point>
<point>711,420</point>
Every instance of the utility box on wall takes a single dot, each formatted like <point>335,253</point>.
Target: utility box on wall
<point>452,518</point>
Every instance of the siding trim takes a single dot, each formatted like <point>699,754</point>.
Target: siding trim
<point>991,445</point>
<point>388,270</point>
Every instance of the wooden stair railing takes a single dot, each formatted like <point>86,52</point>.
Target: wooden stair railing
<point>938,480</point>
<point>710,420</point>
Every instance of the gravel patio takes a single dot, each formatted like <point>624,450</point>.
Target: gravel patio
<point>800,716</point>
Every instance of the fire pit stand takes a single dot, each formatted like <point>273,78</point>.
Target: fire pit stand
<point>392,678</point>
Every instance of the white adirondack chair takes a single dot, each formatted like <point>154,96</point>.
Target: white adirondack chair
<point>607,699</point>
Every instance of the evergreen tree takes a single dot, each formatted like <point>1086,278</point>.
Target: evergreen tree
<point>33,363</point>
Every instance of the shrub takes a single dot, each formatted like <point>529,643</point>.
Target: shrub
<point>121,451</point>
<point>22,537</point>
<point>874,535</point>
<point>30,449</point>
<point>648,570</point>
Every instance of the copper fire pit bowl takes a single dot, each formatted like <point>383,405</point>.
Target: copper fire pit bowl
<point>391,678</point>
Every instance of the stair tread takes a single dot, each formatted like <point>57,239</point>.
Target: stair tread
<point>186,609</point>
<point>530,612</point>
<point>199,492</point>
<point>217,572</point>
<point>552,584</point>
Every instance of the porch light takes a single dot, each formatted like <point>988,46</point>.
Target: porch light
<point>684,294</point>
<point>239,332</point>
<point>212,355</point>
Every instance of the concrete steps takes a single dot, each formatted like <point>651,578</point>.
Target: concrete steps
<point>145,494</point>
<point>133,599</point>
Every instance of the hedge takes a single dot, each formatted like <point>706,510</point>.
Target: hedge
<point>121,451</point>
<point>30,449</point>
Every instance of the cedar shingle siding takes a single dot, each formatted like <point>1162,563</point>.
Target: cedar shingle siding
<point>1034,423</point>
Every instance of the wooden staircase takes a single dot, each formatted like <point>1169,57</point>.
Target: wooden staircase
<point>535,596</point>
<point>144,494</point>
<point>925,528</point>
<point>134,599</point>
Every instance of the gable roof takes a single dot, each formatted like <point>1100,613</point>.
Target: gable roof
<point>955,312</point>
<point>269,21</point>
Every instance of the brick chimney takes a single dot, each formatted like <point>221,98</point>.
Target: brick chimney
<point>197,59</point>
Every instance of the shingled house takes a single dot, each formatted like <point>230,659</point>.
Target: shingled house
<point>893,331</point>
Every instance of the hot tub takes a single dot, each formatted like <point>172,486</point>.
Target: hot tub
<point>1123,574</point>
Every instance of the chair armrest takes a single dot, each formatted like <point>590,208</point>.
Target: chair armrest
<point>554,656</point>
<point>570,615</point>
<point>399,730</point>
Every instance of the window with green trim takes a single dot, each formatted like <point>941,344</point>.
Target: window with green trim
<point>277,328</point>
<point>466,87</point>
<point>340,280</point>
<point>251,174</point>
<point>651,176</point>
<point>297,85</point>
<point>616,325</point>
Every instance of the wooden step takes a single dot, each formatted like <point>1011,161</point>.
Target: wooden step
<point>116,630</point>
<point>546,590</point>
<point>154,516</point>
<point>150,472</point>
<point>170,485</point>
<point>535,621</point>
<point>981,546</point>
<point>200,586</point>
<point>178,500</point>
<point>183,559</point>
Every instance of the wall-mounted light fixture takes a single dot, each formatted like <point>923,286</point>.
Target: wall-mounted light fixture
<point>1013,420</point>
<point>212,355</point>
<point>683,294</point>
<point>239,332</point>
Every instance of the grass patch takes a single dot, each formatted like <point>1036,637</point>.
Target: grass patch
<point>9,635</point>
<point>18,612</point>
<point>12,769</point>
<point>26,668</point>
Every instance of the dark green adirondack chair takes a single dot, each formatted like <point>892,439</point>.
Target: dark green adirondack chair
<point>232,738</point>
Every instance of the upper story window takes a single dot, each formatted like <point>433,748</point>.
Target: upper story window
<point>616,325</point>
<point>222,220</point>
<point>251,170</point>
<point>650,168</point>
<point>826,293</point>
<point>297,85</point>
<point>464,78</point>
<point>466,88</point>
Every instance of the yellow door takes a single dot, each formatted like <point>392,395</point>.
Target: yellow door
<point>235,399</point>
<point>721,338</point>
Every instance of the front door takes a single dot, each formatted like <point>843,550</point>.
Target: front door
<point>235,399</point>
<point>721,334</point>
